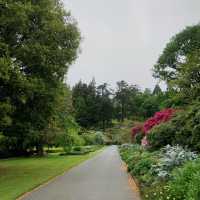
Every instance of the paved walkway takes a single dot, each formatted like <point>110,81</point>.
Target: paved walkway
<point>100,178</point>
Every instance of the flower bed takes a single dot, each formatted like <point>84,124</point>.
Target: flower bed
<point>144,129</point>
<point>163,175</point>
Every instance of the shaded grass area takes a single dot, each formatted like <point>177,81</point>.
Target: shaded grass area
<point>20,175</point>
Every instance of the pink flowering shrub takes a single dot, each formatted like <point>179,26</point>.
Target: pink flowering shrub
<point>158,118</point>
<point>137,129</point>
<point>137,133</point>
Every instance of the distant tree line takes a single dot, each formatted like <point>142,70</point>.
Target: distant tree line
<point>95,106</point>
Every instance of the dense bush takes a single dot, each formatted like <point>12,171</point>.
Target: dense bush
<point>185,184</point>
<point>138,138</point>
<point>81,150</point>
<point>182,129</point>
<point>137,133</point>
<point>158,118</point>
<point>162,135</point>
<point>6,145</point>
<point>130,154</point>
<point>141,131</point>
<point>93,138</point>
<point>141,169</point>
<point>139,162</point>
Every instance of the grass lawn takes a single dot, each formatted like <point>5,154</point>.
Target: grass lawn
<point>20,175</point>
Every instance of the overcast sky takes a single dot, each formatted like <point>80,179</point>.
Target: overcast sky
<point>123,38</point>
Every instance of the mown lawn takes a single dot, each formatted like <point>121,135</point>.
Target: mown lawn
<point>20,175</point>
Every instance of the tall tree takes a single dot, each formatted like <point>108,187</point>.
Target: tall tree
<point>105,105</point>
<point>84,102</point>
<point>93,105</point>
<point>187,82</point>
<point>38,42</point>
<point>124,99</point>
<point>176,52</point>
<point>157,90</point>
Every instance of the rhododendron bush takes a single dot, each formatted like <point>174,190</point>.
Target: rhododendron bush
<point>137,129</point>
<point>158,118</point>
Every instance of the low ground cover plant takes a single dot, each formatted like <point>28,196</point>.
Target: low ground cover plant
<point>184,184</point>
<point>171,157</point>
<point>139,163</point>
<point>158,172</point>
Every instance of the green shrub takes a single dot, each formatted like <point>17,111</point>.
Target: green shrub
<point>142,167</point>
<point>183,129</point>
<point>139,162</point>
<point>186,182</point>
<point>161,135</point>
<point>184,185</point>
<point>77,148</point>
<point>138,138</point>
<point>93,138</point>
<point>129,152</point>
<point>7,146</point>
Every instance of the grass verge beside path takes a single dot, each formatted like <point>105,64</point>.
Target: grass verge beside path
<point>20,175</point>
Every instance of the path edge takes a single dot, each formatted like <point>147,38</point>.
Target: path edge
<point>25,194</point>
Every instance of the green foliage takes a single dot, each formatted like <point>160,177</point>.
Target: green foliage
<point>93,138</point>
<point>184,185</point>
<point>124,100</point>
<point>157,191</point>
<point>176,51</point>
<point>98,106</point>
<point>93,105</point>
<point>157,90</point>
<point>186,182</point>
<point>171,157</point>
<point>143,166</point>
<point>162,135</point>
<point>188,78</point>
<point>81,150</point>
<point>119,133</point>
<point>149,106</point>
<point>138,138</point>
<point>70,137</point>
<point>139,163</point>
<point>179,66</point>
<point>182,129</point>
<point>38,42</point>
<point>183,182</point>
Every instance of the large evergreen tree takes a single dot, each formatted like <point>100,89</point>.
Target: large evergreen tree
<point>93,105</point>
<point>104,105</point>
<point>124,100</point>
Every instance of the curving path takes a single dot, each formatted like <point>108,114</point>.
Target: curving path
<point>100,178</point>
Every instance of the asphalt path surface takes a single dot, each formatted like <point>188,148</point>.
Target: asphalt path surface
<point>100,178</point>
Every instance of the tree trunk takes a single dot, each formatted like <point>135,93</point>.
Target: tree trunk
<point>40,150</point>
